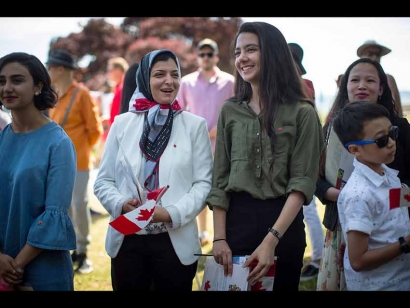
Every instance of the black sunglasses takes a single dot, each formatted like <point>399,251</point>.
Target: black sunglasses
<point>209,54</point>
<point>381,142</point>
<point>372,53</point>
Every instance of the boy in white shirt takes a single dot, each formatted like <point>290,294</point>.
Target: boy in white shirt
<point>377,238</point>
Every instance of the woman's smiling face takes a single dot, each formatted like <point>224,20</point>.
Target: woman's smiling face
<point>165,81</point>
<point>364,83</point>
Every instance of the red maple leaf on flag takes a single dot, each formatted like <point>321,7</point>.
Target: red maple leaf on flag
<point>207,285</point>
<point>145,214</point>
<point>258,286</point>
<point>407,198</point>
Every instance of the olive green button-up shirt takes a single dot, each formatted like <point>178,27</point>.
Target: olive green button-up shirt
<point>243,154</point>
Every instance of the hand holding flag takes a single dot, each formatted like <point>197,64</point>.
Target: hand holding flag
<point>265,283</point>
<point>134,221</point>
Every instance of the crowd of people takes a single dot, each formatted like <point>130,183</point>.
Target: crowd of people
<point>248,148</point>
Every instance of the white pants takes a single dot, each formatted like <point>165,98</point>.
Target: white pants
<point>315,230</point>
<point>79,211</point>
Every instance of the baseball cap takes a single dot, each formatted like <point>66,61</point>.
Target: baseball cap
<point>209,42</point>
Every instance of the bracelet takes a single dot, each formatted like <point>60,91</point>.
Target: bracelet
<point>219,239</point>
<point>275,233</point>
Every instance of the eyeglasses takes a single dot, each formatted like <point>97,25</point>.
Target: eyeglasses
<point>381,142</point>
<point>209,54</point>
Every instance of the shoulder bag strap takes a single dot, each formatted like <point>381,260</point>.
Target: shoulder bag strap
<point>69,107</point>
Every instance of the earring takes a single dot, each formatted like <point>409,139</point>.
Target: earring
<point>38,93</point>
<point>380,97</point>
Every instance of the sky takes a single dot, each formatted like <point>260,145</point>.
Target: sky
<point>329,43</point>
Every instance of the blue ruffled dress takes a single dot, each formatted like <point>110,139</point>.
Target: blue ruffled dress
<point>37,174</point>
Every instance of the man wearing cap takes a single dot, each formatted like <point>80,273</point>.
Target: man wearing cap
<point>203,93</point>
<point>373,50</point>
<point>77,112</point>
<point>311,216</point>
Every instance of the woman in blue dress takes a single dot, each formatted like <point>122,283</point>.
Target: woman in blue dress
<point>37,174</point>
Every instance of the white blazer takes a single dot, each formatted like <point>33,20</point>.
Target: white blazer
<point>185,165</point>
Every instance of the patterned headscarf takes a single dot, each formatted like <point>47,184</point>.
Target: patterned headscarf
<point>157,126</point>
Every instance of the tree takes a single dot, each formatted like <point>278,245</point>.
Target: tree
<point>182,34</point>
<point>100,41</point>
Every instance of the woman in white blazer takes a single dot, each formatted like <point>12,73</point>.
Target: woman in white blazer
<point>156,144</point>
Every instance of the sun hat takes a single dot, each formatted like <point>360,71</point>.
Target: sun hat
<point>61,57</point>
<point>297,54</point>
<point>383,49</point>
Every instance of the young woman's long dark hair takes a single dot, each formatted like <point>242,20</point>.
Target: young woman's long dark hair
<point>279,81</point>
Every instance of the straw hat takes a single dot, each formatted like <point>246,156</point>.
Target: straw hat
<point>383,49</point>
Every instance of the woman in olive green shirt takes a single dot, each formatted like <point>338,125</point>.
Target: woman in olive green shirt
<point>269,140</point>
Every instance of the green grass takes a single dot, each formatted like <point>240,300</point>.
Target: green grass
<point>100,278</point>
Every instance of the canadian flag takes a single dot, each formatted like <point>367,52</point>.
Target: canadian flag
<point>399,197</point>
<point>134,221</point>
<point>264,283</point>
